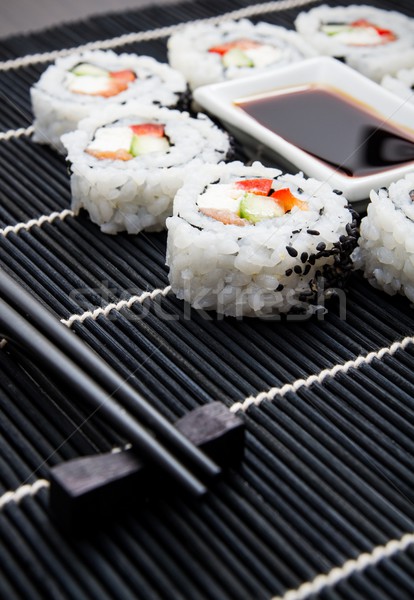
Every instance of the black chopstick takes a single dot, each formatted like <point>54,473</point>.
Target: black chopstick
<point>101,372</point>
<point>18,330</point>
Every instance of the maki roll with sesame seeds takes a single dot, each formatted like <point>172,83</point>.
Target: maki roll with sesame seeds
<point>386,247</point>
<point>373,41</point>
<point>206,53</point>
<point>128,162</point>
<point>82,84</point>
<point>249,241</point>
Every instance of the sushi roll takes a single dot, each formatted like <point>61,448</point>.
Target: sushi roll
<point>82,84</point>
<point>206,53</point>
<point>248,241</point>
<point>127,162</point>
<point>386,247</point>
<point>401,84</point>
<point>372,40</point>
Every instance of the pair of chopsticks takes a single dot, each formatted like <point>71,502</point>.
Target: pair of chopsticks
<point>24,321</point>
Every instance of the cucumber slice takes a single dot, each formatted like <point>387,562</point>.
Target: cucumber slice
<point>237,58</point>
<point>144,144</point>
<point>335,28</point>
<point>257,208</point>
<point>88,69</point>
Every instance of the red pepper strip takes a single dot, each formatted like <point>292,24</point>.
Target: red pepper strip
<point>153,129</point>
<point>287,200</point>
<point>379,30</point>
<point>125,75</point>
<point>239,44</point>
<point>256,186</point>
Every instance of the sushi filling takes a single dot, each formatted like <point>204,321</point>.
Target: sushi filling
<point>248,201</point>
<point>91,80</point>
<point>129,141</point>
<point>246,53</point>
<point>358,33</point>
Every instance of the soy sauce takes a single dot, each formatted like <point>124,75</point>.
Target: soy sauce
<point>334,128</point>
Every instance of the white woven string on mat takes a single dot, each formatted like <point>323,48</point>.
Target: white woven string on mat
<point>38,222</point>
<point>153,34</point>
<point>105,310</point>
<point>28,489</point>
<point>16,133</point>
<point>337,574</point>
<point>322,375</point>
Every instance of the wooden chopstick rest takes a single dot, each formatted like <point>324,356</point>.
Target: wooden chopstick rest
<point>88,490</point>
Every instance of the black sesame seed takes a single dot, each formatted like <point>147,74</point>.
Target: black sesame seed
<point>297,269</point>
<point>280,287</point>
<point>297,231</point>
<point>304,257</point>
<point>313,232</point>
<point>300,191</point>
<point>321,246</point>
<point>312,259</point>
<point>288,272</point>
<point>291,251</point>
<point>338,192</point>
<point>306,269</point>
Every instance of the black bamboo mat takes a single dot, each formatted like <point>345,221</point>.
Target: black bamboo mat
<point>327,479</point>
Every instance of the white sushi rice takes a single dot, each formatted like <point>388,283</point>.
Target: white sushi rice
<point>373,60</point>
<point>401,84</point>
<point>57,110</point>
<point>188,50</point>
<point>137,194</point>
<point>386,245</point>
<point>248,271</point>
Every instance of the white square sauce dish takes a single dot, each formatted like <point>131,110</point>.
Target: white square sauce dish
<point>323,118</point>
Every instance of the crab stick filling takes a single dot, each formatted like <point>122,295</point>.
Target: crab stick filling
<point>247,201</point>
<point>246,53</point>
<point>359,33</point>
<point>91,80</point>
<point>127,142</point>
